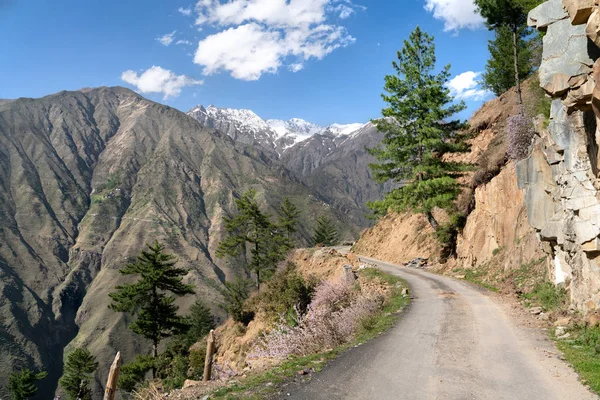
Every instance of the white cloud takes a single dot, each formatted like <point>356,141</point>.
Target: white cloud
<point>466,87</point>
<point>255,37</point>
<point>296,67</point>
<point>185,11</point>
<point>166,39</point>
<point>183,42</point>
<point>456,14</point>
<point>159,80</point>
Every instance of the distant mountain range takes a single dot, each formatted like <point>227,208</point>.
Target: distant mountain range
<point>273,135</point>
<point>88,177</point>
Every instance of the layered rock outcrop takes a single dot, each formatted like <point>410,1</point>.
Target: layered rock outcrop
<point>560,177</point>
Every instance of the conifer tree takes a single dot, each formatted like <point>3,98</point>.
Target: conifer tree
<point>201,321</point>
<point>78,372</point>
<point>325,233</point>
<point>418,131</point>
<point>151,297</point>
<point>252,228</point>
<point>499,74</point>
<point>21,385</point>
<point>288,220</point>
<point>511,15</point>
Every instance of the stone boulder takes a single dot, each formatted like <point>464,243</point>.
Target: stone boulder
<point>546,14</point>
<point>579,10</point>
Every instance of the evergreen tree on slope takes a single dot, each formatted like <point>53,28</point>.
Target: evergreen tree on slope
<point>417,132</point>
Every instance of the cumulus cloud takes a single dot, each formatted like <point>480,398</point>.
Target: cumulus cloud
<point>255,37</point>
<point>166,39</point>
<point>466,87</point>
<point>456,14</point>
<point>185,11</point>
<point>159,80</point>
<point>183,42</point>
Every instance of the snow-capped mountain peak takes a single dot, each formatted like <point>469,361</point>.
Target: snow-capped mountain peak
<point>344,129</point>
<point>279,135</point>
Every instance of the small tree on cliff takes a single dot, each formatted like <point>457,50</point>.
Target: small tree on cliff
<point>21,385</point>
<point>499,75</point>
<point>151,297</point>
<point>511,15</point>
<point>417,133</point>
<point>78,372</point>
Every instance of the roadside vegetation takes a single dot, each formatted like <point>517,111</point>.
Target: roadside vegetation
<point>306,348</point>
<point>582,350</point>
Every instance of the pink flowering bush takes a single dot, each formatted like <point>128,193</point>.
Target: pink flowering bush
<point>520,131</point>
<point>332,319</point>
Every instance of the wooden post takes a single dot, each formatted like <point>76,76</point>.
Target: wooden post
<point>210,349</point>
<point>113,377</point>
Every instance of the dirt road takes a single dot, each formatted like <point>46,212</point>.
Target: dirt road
<point>454,342</point>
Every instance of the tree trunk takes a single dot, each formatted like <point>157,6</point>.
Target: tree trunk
<point>432,221</point>
<point>516,59</point>
<point>257,265</point>
<point>154,355</point>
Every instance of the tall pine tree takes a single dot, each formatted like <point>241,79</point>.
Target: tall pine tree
<point>499,75</point>
<point>21,385</point>
<point>325,232</point>
<point>151,297</point>
<point>78,372</point>
<point>511,15</point>
<point>417,133</point>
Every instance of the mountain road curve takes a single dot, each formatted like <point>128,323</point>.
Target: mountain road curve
<point>455,341</point>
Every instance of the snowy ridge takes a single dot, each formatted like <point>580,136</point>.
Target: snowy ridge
<point>276,134</point>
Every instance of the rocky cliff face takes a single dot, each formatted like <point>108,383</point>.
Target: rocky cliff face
<point>560,177</point>
<point>86,179</point>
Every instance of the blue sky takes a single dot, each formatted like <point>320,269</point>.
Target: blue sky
<point>320,60</point>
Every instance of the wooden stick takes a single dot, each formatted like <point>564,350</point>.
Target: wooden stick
<point>210,349</point>
<point>113,377</point>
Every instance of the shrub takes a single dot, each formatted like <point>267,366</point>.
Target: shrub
<point>134,372</point>
<point>236,293</point>
<point>286,292</point>
<point>520,132</point>
<point>197,359</point>
<point>332,319</point>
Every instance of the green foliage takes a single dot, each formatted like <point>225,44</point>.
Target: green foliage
<point>325,233</point>
<point>549,296</point>
<point>200,321</point>
<point>78,372</point>
<point>21,385</point>
<point>175,372</point>
<point>149,296</point>
<point>235,294</point>
<point>497,13</point>
<point>582,350</point>
<point>447,233</point>
<point>285,292</point>
<point>288,220</point>
<point>252,228</point>
<point>499,75</point>
<point>418,131</point>
<point>197,358</point>
<point>134,372</point>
